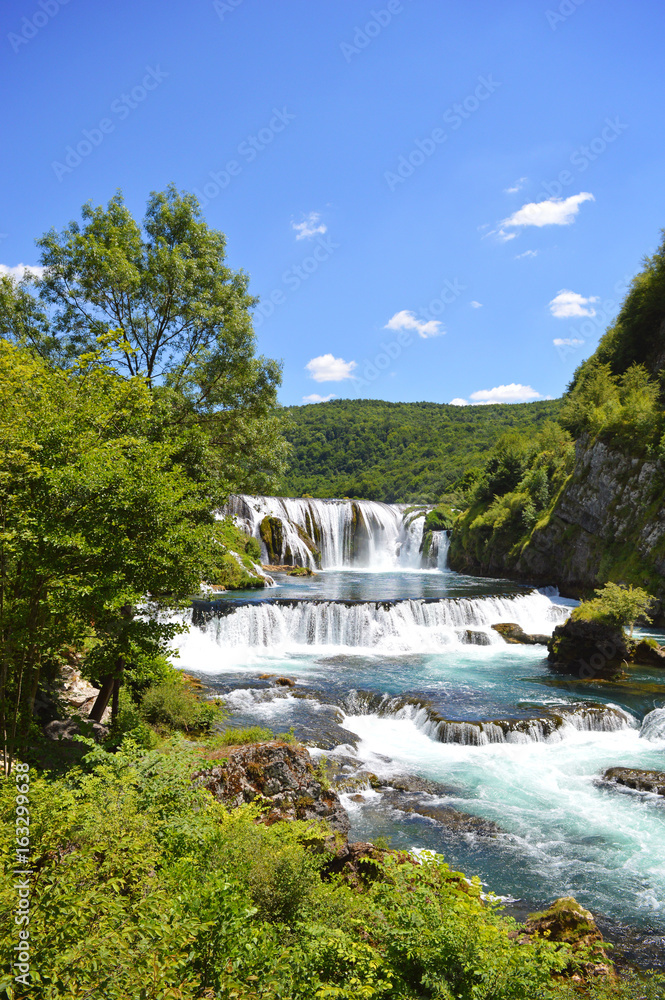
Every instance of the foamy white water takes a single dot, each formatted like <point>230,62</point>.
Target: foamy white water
<point>348,533</point>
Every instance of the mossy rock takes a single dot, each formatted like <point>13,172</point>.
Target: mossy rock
<point>300,571</point>
<point>271,530</point>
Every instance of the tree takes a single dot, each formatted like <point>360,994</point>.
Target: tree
<point>185,322</point>
<point>96,518</point>
<point>616,605</point>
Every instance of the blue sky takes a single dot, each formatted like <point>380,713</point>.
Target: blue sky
<point>435,200</point>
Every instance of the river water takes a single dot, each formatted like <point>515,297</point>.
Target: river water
<point>448,738</point>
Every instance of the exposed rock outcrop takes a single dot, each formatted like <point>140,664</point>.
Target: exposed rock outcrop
<point>510,632</point>
<point>606,524</point>
<point>282,777</point>
<point>588,649</point>
<point>567,922</point>
<point>641,781</point>
<point>66,729</point>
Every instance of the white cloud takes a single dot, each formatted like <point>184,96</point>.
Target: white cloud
<point>512,393</point>
<point>519,184</point>
<point>308,227</point>
<point>327,368</point>
<point>566,304</point>
<point>476,305</point>
<point>527,253</point>
<point>566,342</point>
<point>315,398</point>
<point>459,402</point>
<point>406,320</point>
<point>553,212</point>
<point>19,271</point>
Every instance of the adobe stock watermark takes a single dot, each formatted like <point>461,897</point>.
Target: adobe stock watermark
<point>565,9</point>
<point>365,34</point>
<point>224,7</point>
<point>31,26</point>
<point>121,108</point>
<point>248,149</point>
<point>22,873</point>
<point>454,116</point>
<point>294,277</point>
<point>373,368</point>
<point>593,325</point>
<point>582,158</point>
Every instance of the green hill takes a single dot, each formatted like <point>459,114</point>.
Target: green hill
<point>396,451</point>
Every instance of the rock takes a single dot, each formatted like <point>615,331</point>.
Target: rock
<point>588,649</point>
<point>641,781</point>
<point>473,637</point>
<point>281,776</point>
<point>567,922</point>
<point>66,729</point>
<point>358,862</point>
<point>511,632</point>
<point>648,655</point>
<point>284,682</point>
<point>299,571</point>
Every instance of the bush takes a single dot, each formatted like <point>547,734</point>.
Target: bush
<point>616,605</point>
<point>171,704</point>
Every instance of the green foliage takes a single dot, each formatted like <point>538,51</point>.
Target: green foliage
<point>635,338</point>
<point>616,605</point>
<point>172,704</point>
<point>95,514</point>
<point>521,479</point>
<point>145,886</point>
<point>240,736</point>
<point>624,409</point>
<point>397,452</point>
<point>237,562</point>
<point>439,519</point>
<point>186,323</point>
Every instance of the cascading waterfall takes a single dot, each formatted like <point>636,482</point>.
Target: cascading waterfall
<point>333,534</point>
<point>653,725</point>
<point>550,726</point>
<point>398,626</point>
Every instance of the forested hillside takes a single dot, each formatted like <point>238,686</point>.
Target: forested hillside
<point>396,451</point>
<point>585,505</point>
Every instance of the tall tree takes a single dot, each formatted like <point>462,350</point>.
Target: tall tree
<point>96,518</point>
<point>185,318</point>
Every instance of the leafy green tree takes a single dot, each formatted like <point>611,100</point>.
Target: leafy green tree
<point>185,320</point>
<point>96,518</point>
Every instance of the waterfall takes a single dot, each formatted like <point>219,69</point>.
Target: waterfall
<point>388,626</point>
<point>653,725</point>
<point>334,534</point>
<point>551,726</point>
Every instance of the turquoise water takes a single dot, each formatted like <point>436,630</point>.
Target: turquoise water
<point>391,678</point>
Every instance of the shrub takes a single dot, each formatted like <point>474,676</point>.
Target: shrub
<point>616,605</point>
<point>171,704</point>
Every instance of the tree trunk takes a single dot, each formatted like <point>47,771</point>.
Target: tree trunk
<point>102,699</point>
<point>117,681</point>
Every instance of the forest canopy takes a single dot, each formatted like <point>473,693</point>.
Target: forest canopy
<point>396,452</point>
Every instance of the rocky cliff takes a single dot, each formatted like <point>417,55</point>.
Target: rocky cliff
<point>608,523</point>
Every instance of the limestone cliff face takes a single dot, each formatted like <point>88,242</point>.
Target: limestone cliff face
<point>607,524</point>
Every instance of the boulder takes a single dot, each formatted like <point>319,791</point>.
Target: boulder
<point>641,781</point>
<point>588,649</point>
<point>279,775</point>
<point>648,655</point>
<point>66,729</point>
<point>567,922</point>
<point>510,632</point>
